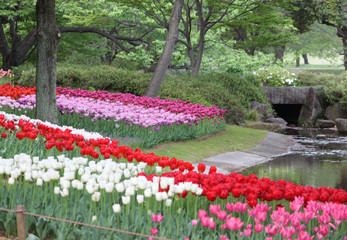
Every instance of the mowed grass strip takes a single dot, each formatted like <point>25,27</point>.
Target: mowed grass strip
<point>235,138</point>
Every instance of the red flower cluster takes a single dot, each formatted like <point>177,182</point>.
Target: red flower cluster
<point>15,92</point>
<point>219,185</point>
<point>55,137</point>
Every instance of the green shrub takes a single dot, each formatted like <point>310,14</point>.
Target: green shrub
<point>275,76</point>
<point>102,77</point>
<point>333,87</point>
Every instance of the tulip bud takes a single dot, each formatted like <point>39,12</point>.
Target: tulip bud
<point>39,182</point>
<point>168,202</point>
<point>11,181</point>
<point>56,190</point>
<point>126,200</point>
<point>140,199</point>
<point>116,208</point>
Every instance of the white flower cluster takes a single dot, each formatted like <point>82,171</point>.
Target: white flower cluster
<point>107,175</point>
<point>84,133</point>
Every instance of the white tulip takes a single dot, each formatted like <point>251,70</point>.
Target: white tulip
<point>126,183</point>
<point>116,208</point>
<point>96,197</point>
<point>122,166</point>
<point>11,181</point>
<point>130,191</point>
<point>56,190</point>
<point>171,181</point>
<point>39,182</point>
<point>148,192</point>
<point>102,184</point>
<point>168,202</point>
<point>22,167</point>
<point>155,188</point>
<point>35,160</point>
<point>158,196</point>
<point>134,181</point>
<point>158,169</point>
<point>74,183</point>
<point>164,195</point>
<point>99,168</point>
<point>109,187</point>
<point>111,178</point>
<point>90,188</point>
<point>46,177</point>
<point>199,191</point>
<point>64,193</point>
<point>127,173</point>
<point>79,185</point>
<point>126,200</point>
<point>170,193</point>
<point>194,187</point>
<point>130,166</point>
<point>156,179</point>
<point>188,186</point>
<point>140,199</point>
<point>81,171</point>
<point>120,187</point>
<point>164,183</point>
<point>27,176</point>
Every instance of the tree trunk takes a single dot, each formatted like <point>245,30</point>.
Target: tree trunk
<point>165,58</point>
<point>297,62</point>
<point>304,56</point>
<point>342,33</point>
<point>47,38</point>
<point>279,53</point>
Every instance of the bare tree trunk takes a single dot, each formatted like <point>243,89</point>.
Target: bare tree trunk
<point>165,58</point>
<point>47,37</point>
<point>304,56</point>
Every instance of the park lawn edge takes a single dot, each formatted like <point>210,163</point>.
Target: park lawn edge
<point>234,138</point>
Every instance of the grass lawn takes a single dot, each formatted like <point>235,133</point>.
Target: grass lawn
<point>233,139</point>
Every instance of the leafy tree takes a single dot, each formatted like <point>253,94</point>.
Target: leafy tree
<point>18,31</point>
<point>265,26</point>
<point>333,13</point>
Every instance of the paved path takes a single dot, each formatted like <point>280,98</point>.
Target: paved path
<point>273,144</point>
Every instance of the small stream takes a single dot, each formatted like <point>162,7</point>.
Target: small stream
<point>316,159</point>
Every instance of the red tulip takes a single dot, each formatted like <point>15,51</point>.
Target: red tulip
<point>201,167</point>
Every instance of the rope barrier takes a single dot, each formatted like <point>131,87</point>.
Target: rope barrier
<point>84,224</point>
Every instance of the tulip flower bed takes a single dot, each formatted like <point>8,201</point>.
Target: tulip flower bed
<point>73,174</point>
<point>115,115</point>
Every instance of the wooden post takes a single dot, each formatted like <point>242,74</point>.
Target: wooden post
<point>21,231</point>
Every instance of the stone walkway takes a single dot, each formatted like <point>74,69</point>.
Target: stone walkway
<point>274,144</point>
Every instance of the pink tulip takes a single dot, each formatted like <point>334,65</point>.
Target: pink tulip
<point>234,223</point>
<point>195,222</point>
<point>157,218</point>
<point>214,209</point>
<point>154,231</point>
